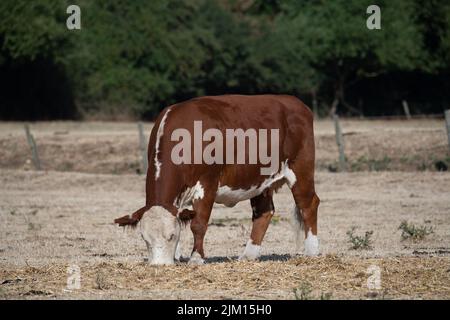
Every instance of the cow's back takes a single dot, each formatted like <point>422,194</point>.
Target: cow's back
<point>288,114</point>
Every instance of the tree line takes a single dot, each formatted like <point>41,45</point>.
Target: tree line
<point>133,58</point>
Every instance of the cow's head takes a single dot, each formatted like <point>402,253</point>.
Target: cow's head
<point>161,232</point>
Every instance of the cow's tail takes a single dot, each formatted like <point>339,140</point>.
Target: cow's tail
<point>298,226</point>
<point>186,216</point>
<point>133,219</point>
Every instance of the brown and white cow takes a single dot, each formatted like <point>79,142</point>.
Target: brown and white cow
<point>181,191</point>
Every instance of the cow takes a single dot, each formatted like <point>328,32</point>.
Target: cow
<point>183,192</point>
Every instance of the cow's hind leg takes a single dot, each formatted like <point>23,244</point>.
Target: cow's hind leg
<point>307,203</point>
<point>263,209</point>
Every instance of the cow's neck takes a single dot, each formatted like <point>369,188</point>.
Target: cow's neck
<point>162,191</point>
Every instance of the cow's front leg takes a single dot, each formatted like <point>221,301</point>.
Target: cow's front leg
<point>263,210</point>
<point>199,224</point>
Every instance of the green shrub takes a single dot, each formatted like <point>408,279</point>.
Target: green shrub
<point>413,232</point>
<point>360,242</point>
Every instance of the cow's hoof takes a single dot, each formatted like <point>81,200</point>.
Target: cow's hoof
<point>196,259</point>
<point>252,252</point>
<point>247,258</point>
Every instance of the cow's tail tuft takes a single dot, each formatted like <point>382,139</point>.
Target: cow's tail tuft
<point>186,216</point>
<point>133,219</point>
<point>298,227</point>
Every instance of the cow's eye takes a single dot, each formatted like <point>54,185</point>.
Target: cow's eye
<point>172,236</point>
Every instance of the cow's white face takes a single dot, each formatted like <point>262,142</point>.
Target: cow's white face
<point>161,232</point>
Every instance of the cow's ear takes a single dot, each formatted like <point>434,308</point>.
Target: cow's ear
<point>186,215</point>
<point>133,219</point>
<point>126,221</point>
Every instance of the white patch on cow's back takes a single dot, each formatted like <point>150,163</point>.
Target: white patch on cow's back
<point>159,135</point>
<point>230,197</point>
<point>188,196</point>
<point>251,251</point>
<point>311,244</point>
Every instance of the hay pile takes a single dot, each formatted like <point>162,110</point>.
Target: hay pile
<point>405,277</point>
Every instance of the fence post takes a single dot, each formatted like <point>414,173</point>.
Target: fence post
<point>143,148</point>
<point>340,143</point>
<point>33,146</point>
<point>447,121</point>
<point>406,109</point>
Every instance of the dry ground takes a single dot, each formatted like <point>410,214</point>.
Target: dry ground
<point>51,220</point>
<point>111,147</point>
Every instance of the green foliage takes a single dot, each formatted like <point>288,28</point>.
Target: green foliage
<point>29,29</point>
<point>136,57</point>
<point>101,282</point>
<point>137,54</point>
<point>413,232</point>
<point>366,163</point>
<point>433,22</point>
<point>331,43</point>
<point>275,220</point>
<point>304,292</point>
<point>360,242</point>
<point>326,295</point>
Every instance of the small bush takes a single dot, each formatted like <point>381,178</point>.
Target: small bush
<point>326,296</point>
<point>304,291</point>
<point>365,163</point>
<point>440,165</point>
<point>275,220</point>
<point>360,242</point>
<point>413,232</point>
<point>100,281</point>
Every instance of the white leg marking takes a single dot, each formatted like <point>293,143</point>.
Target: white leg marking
<point>196,259</point>
<point>311,245</point>
<point>159,135</point>
<point>251,251</point>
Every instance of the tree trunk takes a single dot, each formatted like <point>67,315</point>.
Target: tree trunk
<point>314,103</point>
<point>339,98</point>
<point>334,106</point>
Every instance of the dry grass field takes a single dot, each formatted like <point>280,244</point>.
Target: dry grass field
<point>62,216</point>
